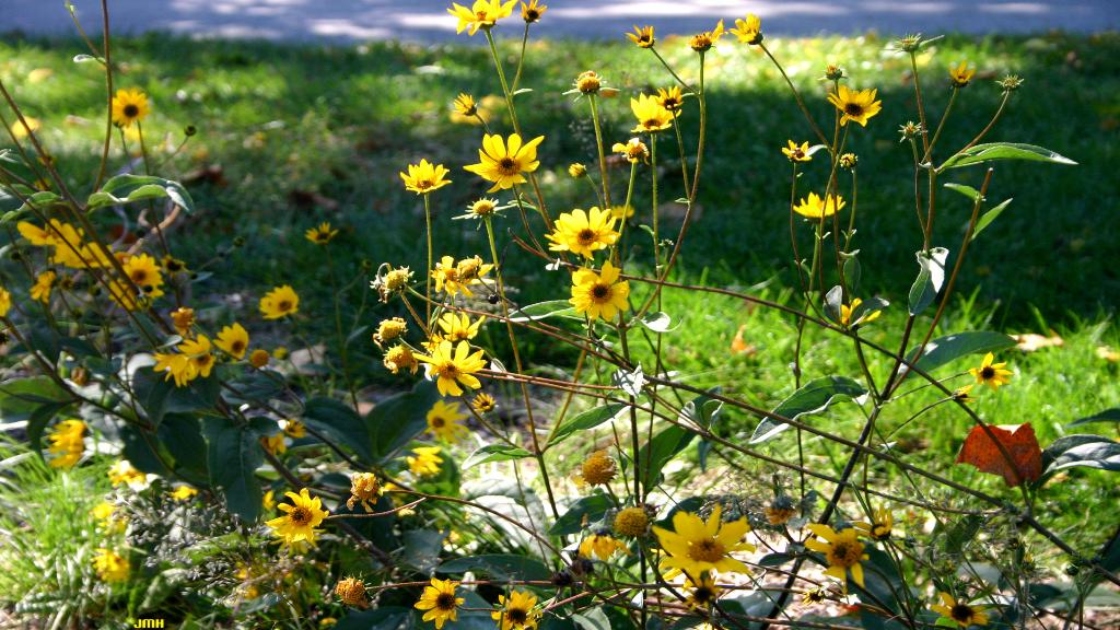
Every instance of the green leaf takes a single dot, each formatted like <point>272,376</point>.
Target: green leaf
<point>961,533</point>
<point>380,618</point>
<point>421,549</point>
<point>1108,415</point>
<point>653,455</point>
<point>776,559</point>
<point>952,347</point>
<point>158,396</point>
<point>36,400</point>
<point>967,191</point>
<point>495,453</point>
<point>339,423</point>
<point>592,619</point>
<point>931,277</point>
<point>161,587</point>
<point>397,420</point>
<point>232,456</point>
<point>994,151</point>
<point>590,508</point>
<point>544,310</point>
<point>584,421</point>
<point>813,397</point>
<point>145,452</point>
<point>499,567</point>
<point>853,271</point>
<point>988,217</point>
<point>181,434</point>
<point>131,188</point>
<point>1090,451</point>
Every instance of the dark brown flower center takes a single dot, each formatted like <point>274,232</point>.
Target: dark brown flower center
<point>855,110</point>
<point>131,111</point>
<point>988,373</point>
<point>600,292</point>
<point>445,601</point>
<point>586,236</point>
<point>300,516</point>
<point>517,616</point>
<point>284,305</point>
<point>707,550</point>
<point>508,166</point>
<point>845,554</point>
<point>438,422</point>
<point>961,613</point>
<point>448,370</point>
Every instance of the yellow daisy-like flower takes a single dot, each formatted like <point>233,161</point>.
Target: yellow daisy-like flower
<point>856,106</point>
<point>279,302</point>
<point>144,272</point>
<point>5,302</point>
<point>322,234</point>
<point>960,611</point>
<point>797,152</point>
<point>445,421</point>
<point>842,550</point>
<point>365,489</point>
<point>453,365</point>
<point>583,233</point>
<point>390,329</point>
<point>129,106</point>
<point>274,443</point>
<point>44,282</point>
<point>183,493</point>
<point>696,546</point>
<point>671,98</point>
<point>177,365</point>
<point>293,428</point>
<point>642,36</point>
<point>504,162</point>
<point>268,501</point>
<point>484,403</point>
<point>67,443</point>
<point>703,42</point>
<point>991,374</point>
<point>183,318</point>
<point>457,277</point>
<point>424,461</point>
<point>198,352</point>
<point>702,592</point>
<point>652,116</point>
<point>748,30</point>
<point>961,75</point>
<point>439,602</point>
<point>634,150</point>
<point>518,612</point>
<point>233,340</point>
<point>532,11</point>
<point>425,177</point>
<point>465,105</point>
<point>458,326</point>
<point>482,14</point>
<point>601,546</point>
<point>300,519</point>
<point>600,295</point>
<point>259,358</point>
<point>352,592</point>
<point>880,526</point>
<point>814,207</point>
<point>110,566</point>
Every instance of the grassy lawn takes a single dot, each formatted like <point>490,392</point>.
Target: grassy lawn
<point>286,137</point>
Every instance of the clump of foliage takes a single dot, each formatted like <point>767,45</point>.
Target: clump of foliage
<point>257,481</point>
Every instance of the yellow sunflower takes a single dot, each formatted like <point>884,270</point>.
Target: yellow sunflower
<point>503,162</point>
<point>425,177</point>
<point>651,114</point>
<point>482,14</point>
<point>129,106</point>
<point>642,36</point>
<point>856,106</point>
<point>279,302</point>
<point>439,602</point>
<point>517,612</point>
<point>452,366</point>
<point>814,207</point>
<point>445,421</point>
<point>695,546</point>
<point>300,519</point>
<point>233,340</point>
<point>583,233</point>
<point>960,611</point>
<point>991,374</point>
<point>600,295</point>
<point>842,550</point>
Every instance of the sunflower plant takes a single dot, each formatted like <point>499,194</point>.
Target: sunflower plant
<point>489,490</point>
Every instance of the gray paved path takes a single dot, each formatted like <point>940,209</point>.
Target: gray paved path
<point>344,21</point>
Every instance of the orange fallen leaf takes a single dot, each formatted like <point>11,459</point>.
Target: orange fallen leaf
<point>1020,443</point>
<point>738,346</point>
